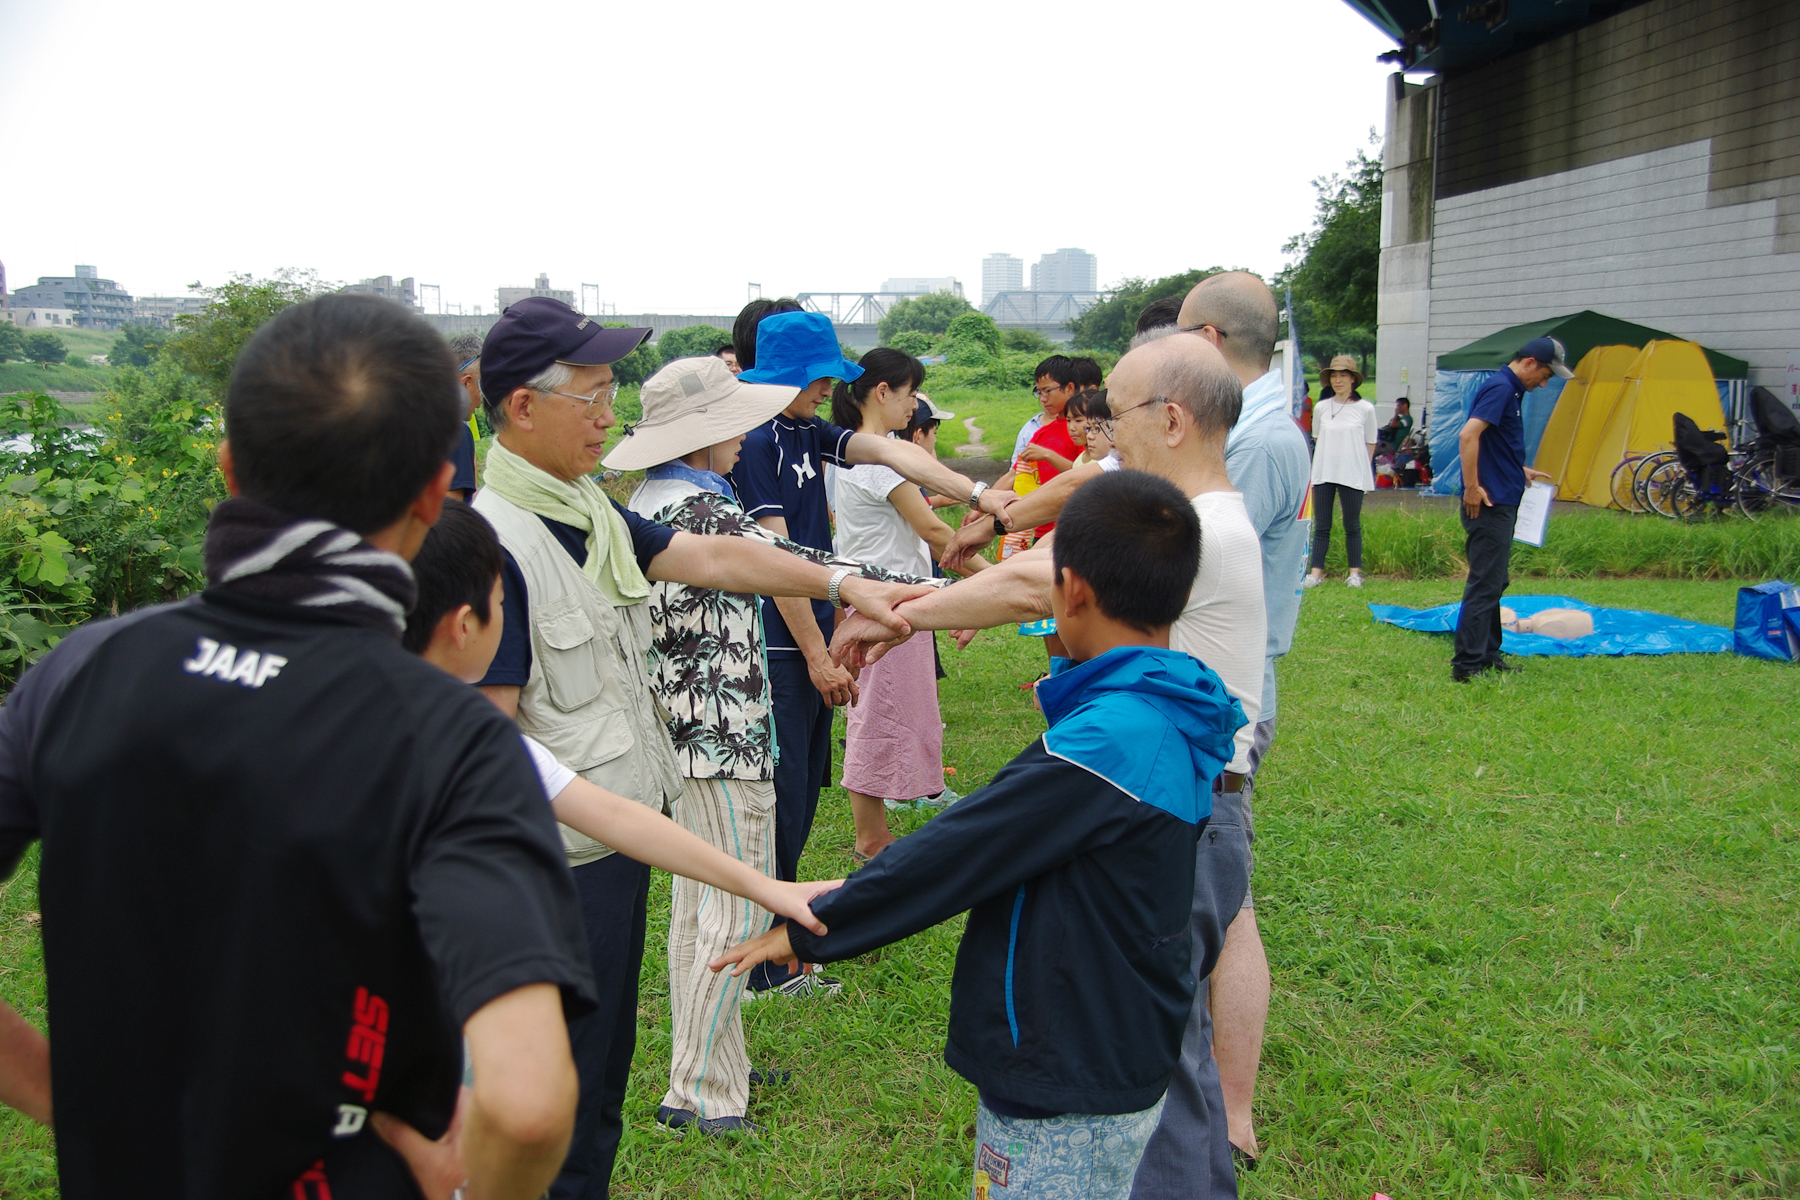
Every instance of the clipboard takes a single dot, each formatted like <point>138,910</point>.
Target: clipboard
<point>1533,520</point>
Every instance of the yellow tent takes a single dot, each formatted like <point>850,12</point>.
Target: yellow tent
<point>1664,378</point>
<point>1598,377</point>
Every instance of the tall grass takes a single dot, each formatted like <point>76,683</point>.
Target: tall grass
<point>1414,543</point>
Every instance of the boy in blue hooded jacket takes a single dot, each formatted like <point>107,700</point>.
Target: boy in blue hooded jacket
<point>1076,864</point>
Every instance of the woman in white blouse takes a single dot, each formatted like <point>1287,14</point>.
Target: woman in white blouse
<point>894,736</point>
<point>1343,449</point>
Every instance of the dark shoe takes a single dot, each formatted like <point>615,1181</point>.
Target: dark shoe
<point>1503,665</point>
<point>674,1120</point>
<point>1459,675</point>
<point>1242,1162</point>
<point>764,1076</point>
<point>719,1127</point>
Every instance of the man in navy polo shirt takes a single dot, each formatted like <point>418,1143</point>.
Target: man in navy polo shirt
<point>780,476</point>
<point>1494,477</point>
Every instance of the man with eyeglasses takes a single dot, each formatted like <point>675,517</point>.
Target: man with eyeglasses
<point>572,664</point>
<point>465,347</point>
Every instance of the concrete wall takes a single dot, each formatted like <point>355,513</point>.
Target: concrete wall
<point>1403,313</point>
<point>1647,167</point>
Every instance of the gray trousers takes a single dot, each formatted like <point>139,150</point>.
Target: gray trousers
<point>1189,1155</point>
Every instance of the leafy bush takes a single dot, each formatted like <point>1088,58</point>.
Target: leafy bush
<point>1027,341</point>
<point>136,346</point>
<point>975,327</point>
<point>12,341</point>
<point>850,352</point>
<point>915,342</point>
<point>637,366</point>
<point>44,348</point>
<point>928,314</point>
<point>101,521</point>
<point>691,340</point>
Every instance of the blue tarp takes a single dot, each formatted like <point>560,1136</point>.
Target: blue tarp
<point>1616,630</point>
<point>1450,399</point>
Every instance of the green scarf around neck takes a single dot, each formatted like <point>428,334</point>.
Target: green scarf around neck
<point>611,561</point>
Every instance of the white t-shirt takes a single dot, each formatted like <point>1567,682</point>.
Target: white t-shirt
<point>1342,434</point>
<point>554,776</point>
<point>1225,624</point>
<point>869,529</point>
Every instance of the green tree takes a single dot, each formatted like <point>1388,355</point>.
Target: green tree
<point>1336,281</point>
<point>136,346</point>
<point>915,342</point>
<point>207,343</point>
<point>1027,341</point>
<point>691,340</point>
<point>1110,324</point>
<point>637,366</point>
<point>12,341</point>
<point>44,348</point>
<point>973,327</point>
<point>930,313</point>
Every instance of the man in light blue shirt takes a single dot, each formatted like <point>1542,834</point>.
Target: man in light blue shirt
<point>1267,460</point>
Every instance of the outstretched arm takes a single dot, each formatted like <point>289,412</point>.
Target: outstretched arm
<point>921,467</point>
<point>735,564</point>
<point>1009,592</point>
<point>648,836</point>
<point>1044,505</point>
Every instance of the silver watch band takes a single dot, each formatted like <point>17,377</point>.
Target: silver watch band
<point>975,493</point>
<point>831,589</point>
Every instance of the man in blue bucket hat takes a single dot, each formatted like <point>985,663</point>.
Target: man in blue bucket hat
<point>780,478</point>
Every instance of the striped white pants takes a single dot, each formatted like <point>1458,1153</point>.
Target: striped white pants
<point>709,1074</point>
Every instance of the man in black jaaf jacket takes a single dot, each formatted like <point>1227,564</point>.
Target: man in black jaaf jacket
<point>1076,864</point>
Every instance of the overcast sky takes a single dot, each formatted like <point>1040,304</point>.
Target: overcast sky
<point>669,153</point>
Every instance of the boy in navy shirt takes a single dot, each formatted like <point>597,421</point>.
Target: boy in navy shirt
<point>1076,864</point>
<point>780,477</point>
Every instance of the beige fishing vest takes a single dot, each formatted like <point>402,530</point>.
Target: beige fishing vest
<point>588,699</point>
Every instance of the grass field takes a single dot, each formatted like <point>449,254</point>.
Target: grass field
<point>1533,937</point>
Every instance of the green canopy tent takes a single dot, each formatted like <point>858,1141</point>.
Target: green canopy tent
<point>1579,333</point>
<point>1460,373</point>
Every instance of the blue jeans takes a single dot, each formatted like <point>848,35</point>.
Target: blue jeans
<point>1074,1156</point>
<point>1189,1155</point>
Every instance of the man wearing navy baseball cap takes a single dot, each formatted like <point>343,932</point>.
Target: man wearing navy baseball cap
<point>1494,478</point>
<point>572,664</point>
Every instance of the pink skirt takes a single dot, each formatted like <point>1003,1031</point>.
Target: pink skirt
<point>894,740</point>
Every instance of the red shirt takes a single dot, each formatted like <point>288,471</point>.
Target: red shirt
<point>1053,437</point>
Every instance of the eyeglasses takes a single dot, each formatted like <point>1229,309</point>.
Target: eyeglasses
<point>1106,423</point>
<point>1203,325</point>
<point>1040,393</point>
<point>592,406</point>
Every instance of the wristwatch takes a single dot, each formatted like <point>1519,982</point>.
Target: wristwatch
<point>1000,529</point>
<point>975,494</point>
<point>831,589</point>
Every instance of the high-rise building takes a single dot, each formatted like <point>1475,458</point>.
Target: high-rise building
<point>1070,269</point>
<point>97,303</point>
<point>918,285</point>
<point>384,286</point>
<point>1000,272</point>
<point>512,295</point>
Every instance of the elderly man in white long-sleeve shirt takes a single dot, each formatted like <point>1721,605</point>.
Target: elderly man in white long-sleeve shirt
<point>1174,399</point>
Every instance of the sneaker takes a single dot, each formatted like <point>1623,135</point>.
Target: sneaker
<point>943,799</point>
<point>1355,579</point>
<point>678,1121</point>
<point>808,986</point>
<point>1312,581</point>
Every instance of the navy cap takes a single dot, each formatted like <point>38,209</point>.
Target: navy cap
<point>1549,351</point>
<point>539,331</point>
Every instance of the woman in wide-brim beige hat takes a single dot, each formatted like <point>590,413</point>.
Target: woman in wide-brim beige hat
<point>696,409</point>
